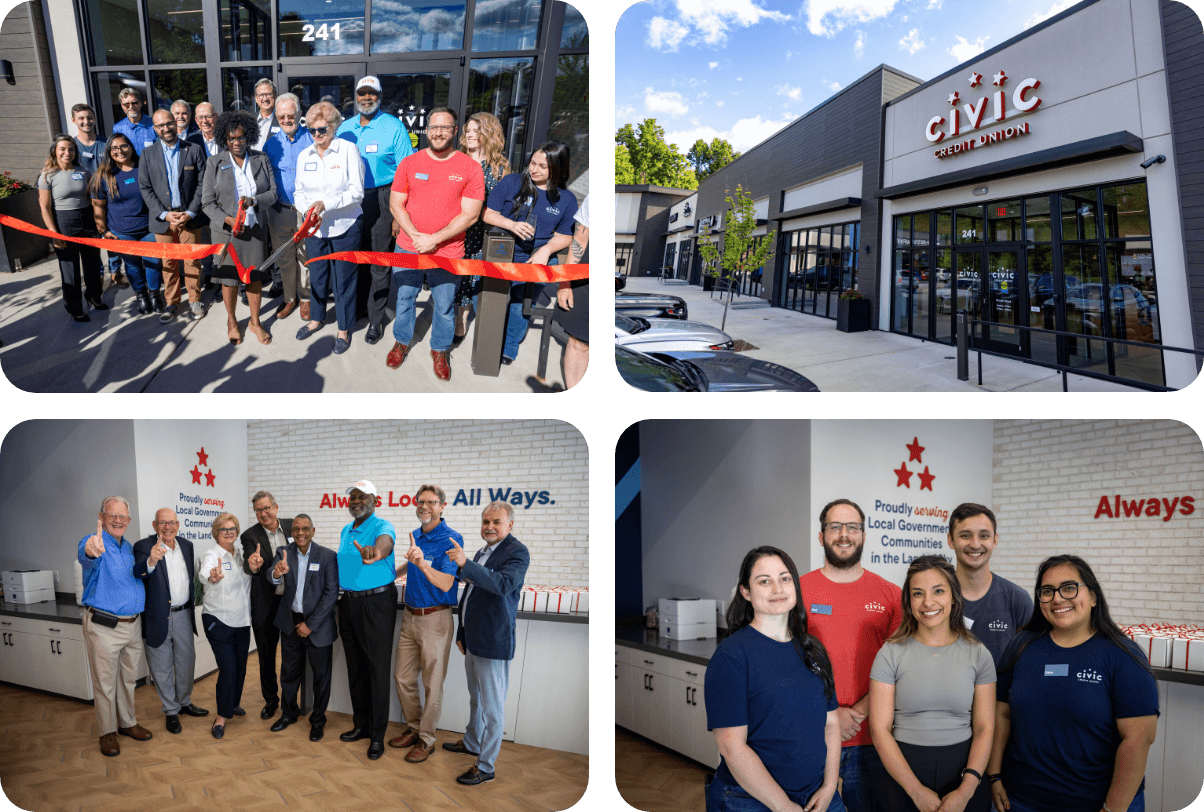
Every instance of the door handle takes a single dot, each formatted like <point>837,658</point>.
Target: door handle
<point>687,695</point>
<point>58,646</point>
<point>650,676</point>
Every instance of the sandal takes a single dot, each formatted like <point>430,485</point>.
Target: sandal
<point>263,335</point>
<point>233,334</point>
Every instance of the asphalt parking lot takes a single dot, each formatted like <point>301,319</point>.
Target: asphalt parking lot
<point>875,361</point>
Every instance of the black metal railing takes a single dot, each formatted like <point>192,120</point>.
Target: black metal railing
<point>744,283</point>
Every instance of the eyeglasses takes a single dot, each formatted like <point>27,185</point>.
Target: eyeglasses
<point>854,528</point>
<point>131,103</point>
<point>166,125</point>
<point>236,139</point>
<point>427,503</point>
<point>117,517</point>
<point>227,531</point>
<point>1068,590</point>
<point>267,509</point>
<point>264,95</point>
<point>440,129</point>
<point>366,91</point>
<point>120,148</point>
<point>168,524</point>
<point>318,131</point>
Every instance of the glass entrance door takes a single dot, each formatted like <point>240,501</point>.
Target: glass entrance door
<point>331,83</point>
<point>411,89</point>
<point>988,285</point>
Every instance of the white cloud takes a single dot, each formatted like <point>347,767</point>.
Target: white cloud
<point>859,45</point>
<point>625,114</point>
<point>739,78</point>
<point>912,42</point>
<point>826,17</point>
<point>1056,8</point>
<point>666,101</point>
<point>965,50</point>
<point>795,93</point>
<point>712,65</point>
<point>665,34</point>
<point>743,135</point>
<point>789,54</point>
<point>835,87</point>
<point>707,22</point>
<point>935,4</point>
<point>720,104</point>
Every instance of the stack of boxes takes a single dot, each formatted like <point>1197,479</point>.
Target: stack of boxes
<point>556,600</point>
<point>1170,645</point>
<point>686,618</point>
<point>28,586</point>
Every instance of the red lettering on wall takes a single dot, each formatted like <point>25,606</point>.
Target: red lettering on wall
<point>1116,507</point>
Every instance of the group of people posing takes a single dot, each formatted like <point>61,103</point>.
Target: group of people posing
<point>276,583</point>
<point>165,178</point>
<point>951,694</point>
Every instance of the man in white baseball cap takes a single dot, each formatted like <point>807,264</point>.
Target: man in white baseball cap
<point>382,141</point>
<point>367,609</point>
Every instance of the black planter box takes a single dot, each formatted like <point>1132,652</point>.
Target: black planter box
<point>708,283</point>
<point>852,315</point>
<point>19,245</point>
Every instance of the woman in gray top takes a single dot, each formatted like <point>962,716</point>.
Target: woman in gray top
<point>932,700</point>
<point>67,210</point>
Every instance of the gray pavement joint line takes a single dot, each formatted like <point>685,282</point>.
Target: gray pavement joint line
<point>854,357</point>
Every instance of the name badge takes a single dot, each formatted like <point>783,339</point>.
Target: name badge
<point>372,148</point>
<point>313,567</point>
<point>820,609</point>
<point>131,180</point>
<point>1062,670</point>
<point>189,168</point>
<point>226,565</point>
<point>85,154</point>
<point>422,176</point>
<point>77,176</point>
<point>969,622</point>
<point>311,166</point>
<point>275,129</point>
<point>147,143</point>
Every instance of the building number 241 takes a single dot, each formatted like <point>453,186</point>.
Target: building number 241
<point>309,34</point>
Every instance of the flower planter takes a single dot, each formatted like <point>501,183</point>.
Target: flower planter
<point>18,245</point>
<point>708,283</point>
<point>853,315</point>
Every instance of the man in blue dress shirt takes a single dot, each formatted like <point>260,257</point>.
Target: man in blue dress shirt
<point>114,600</point>
<point>366,612</point>
<point>427,626</point>
<point>283,146</point>
<point>136,126</point>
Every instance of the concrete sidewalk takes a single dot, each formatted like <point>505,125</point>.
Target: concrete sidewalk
<point>874,361</point>
<point>120,351</point>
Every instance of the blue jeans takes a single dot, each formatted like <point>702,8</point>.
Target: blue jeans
<point>443,299</point>
<point>860,771</point>
<point>516,322</point>
<point>145,272</point>
<point>724,797</point>
<point>487,683</point>
<point>326,273</point>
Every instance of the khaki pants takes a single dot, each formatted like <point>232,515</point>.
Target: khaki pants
<point>423,647</point>
<point>171,267</point>
<point>113,656</point>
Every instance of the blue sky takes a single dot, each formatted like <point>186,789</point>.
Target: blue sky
<point>743,69</point>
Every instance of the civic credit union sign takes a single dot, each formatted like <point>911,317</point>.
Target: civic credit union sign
<point>971,117</point>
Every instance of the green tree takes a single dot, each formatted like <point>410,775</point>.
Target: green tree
<point>708,159</point>
<point>742,252</point>
<point>653,161</point>
<point>624,171</point>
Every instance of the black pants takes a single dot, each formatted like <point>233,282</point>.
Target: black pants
<point>267,636</point>
<point>366,626</point>
<point>229,644</point>
<point>79,265</point>
<point>375,281</point>
<point>293,650</point>
<point>939,769</point>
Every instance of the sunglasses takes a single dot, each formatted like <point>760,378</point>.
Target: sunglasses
<point>318,131</point>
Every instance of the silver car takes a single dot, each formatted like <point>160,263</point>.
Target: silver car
<point>663,335</point>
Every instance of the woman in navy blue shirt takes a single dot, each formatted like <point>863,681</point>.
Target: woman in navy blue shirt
<point>1077,706</point>
<point>771,699</point>
<point>121,214</point>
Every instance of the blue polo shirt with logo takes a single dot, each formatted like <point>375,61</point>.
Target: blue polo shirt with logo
<point>1064,705</point>
<point>550,218</point>
<point>435,546</point>
<point>354,574</point>
<point>382,143</point>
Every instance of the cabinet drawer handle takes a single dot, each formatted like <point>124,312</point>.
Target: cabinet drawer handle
<point>650,662</point>
<point>60,631</point>
<point>692,674</point>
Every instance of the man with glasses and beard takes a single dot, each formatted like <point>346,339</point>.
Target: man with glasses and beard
<point>383,142</point>
<point>852,611</point>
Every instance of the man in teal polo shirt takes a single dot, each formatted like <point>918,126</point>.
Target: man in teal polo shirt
<point>366,612</point>
<point>382,141</point>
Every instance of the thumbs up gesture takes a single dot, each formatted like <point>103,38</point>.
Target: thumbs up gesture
<point>370,554</point>
<point>255,561</point>
<point>280,569</point>
<point>156,554</point>
<point>94,547</point>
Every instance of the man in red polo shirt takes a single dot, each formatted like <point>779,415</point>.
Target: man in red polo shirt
<point>437,194</point>
<point>852,611</point>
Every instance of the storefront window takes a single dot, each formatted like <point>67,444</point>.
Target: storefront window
<point>902,291</point>
<point>1126,211</point>
<point>968,225</point>
<point>321,27</point>
<point>575,33</point>
<point>1042,304</point>
<point>188,85</point>
<point>570,111</point>
<point>417,25</point>
<point>503,87</point>
<point>107,86</point>
<point>1003,221</point>
<point>246,29</point>
<point>922,229</point>
<point>1134,309</point>
<point>944,228</point>
<point>114,27</point>
<point>175,32</point>
<point>942,274</point>
<point>1084,306</point>
<point>238,87</point>
<point>903,231</point>
<point>506,25</point>
<point>1079,215</point>
<point>1038,227</point>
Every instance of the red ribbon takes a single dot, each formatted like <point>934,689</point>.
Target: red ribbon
<point>512,271</point>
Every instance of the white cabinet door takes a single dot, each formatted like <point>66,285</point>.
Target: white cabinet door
<point>625,687</point>
<point>553,703</point>
<point>662,693</point>
<point>66,667</point>
<point>680,713</point>
<point>701,742</point>
<point>18,657</point>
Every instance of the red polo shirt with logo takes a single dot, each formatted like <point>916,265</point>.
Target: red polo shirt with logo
<point>852,621</point>
<point>434,189</point>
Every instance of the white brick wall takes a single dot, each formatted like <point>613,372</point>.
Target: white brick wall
<point>1049,477</point>
<point>300,460</point>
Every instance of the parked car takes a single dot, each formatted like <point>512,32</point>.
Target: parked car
<point>663,335</point>
<point>651,305</point>
<point>706,372</point>
<point>620,280</point>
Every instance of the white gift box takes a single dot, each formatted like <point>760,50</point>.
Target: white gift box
<point>28,580</point>
<point>560,601</point>
<point>583,599</point>
<point>1156,648</point>
<point>1187,652</point>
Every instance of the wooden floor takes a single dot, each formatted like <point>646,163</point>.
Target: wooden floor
<point>50,760</point>
<point>655,779</point>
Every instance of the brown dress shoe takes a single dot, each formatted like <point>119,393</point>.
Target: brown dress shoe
<point>396,355</point>
<point>137,733</point>
<point>442,368</point>
<point>285,310</point>
<point>418,753</point>
<point>109,745</point>
<point>407,739</point>
<point>305,310</point>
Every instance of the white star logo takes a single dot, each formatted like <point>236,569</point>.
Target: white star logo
<point>954,98</point>
<point>975,79</point>
<point>1001,79</point>
<point>411,107</point>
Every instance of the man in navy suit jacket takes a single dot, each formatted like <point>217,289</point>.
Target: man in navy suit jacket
<point>488,609</point>
<point>166,566</point>
<point>305,618</point>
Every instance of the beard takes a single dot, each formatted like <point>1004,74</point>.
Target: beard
<point>367,108</point>
<point>361,511</point>
<point>843,563</point>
